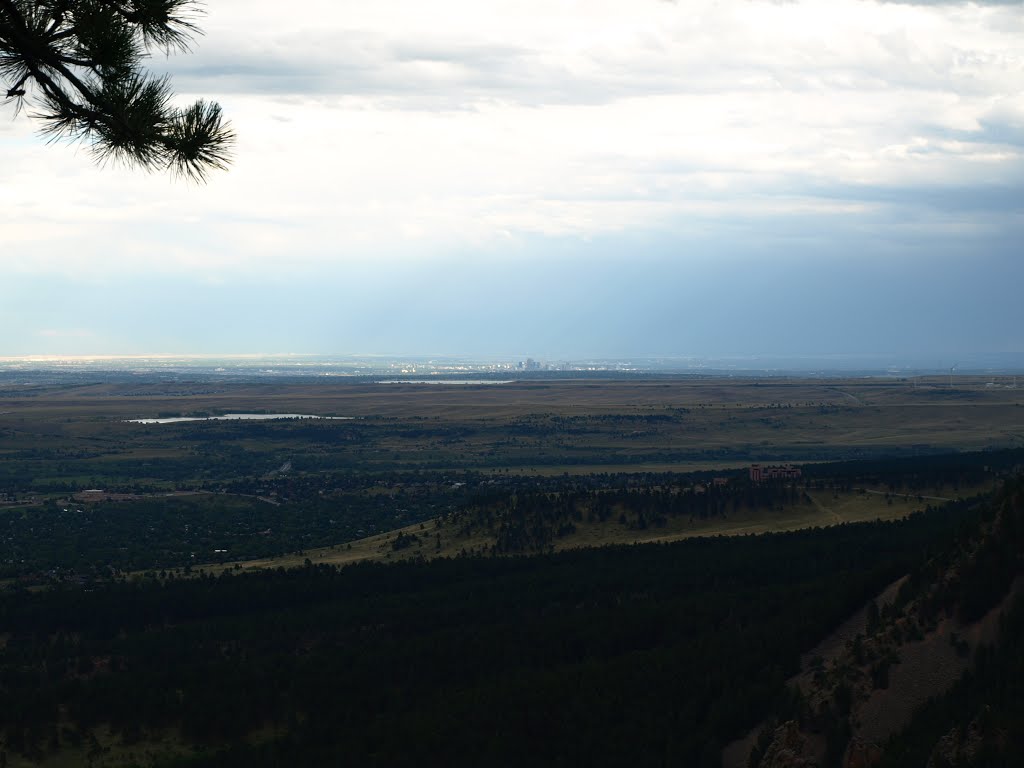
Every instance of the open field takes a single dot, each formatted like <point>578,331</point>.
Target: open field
<point>824,508</point>
<point>527,427</point>
<point>414,452</point>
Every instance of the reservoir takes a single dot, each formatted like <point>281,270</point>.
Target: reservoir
<point>239,417</point>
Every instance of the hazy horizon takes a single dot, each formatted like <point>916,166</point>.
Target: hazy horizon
<point>383,364</point>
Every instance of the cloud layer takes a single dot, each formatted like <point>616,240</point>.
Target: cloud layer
<point>397,133</point>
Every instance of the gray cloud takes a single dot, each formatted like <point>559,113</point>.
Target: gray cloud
<point>953,2</point>
<point>715,57</point>
<point>738,297</point>
<point>967,199</point>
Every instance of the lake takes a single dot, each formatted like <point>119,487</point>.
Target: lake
<point>239,417</point>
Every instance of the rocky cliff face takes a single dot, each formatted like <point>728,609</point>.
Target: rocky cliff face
<point>861,754</point>
<point>912,649</point>
<point>789,748</point>
<point>966,747</point>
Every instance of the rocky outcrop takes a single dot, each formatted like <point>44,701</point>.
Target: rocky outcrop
<point>861,754</point>
<point>789,748</point>
<point>961,747</point>
<point>902,652</point>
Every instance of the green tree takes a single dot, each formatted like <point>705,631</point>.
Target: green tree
<point>78,65</point>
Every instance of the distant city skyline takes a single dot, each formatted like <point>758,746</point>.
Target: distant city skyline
<point>514,365</point>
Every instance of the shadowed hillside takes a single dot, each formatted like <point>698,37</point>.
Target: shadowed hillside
<point>643,654</point>
<point>931,677</point>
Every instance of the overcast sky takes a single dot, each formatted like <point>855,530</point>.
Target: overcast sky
<point>555,179</point>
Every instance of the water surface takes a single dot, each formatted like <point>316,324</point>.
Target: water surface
<point>239,417</point>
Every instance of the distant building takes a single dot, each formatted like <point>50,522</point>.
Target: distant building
<point>759,474</point>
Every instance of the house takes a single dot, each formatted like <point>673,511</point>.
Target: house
<point>759,474</point>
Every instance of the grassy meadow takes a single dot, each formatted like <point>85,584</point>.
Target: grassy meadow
<point>533,426</point>
<point>412,453</point>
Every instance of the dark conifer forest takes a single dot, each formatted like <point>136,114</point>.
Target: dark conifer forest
<point>648,655</point>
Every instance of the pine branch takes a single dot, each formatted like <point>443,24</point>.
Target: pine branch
<point>83,58</point>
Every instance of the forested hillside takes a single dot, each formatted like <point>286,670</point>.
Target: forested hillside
<point>644,655</point>
<point>935,676</point>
